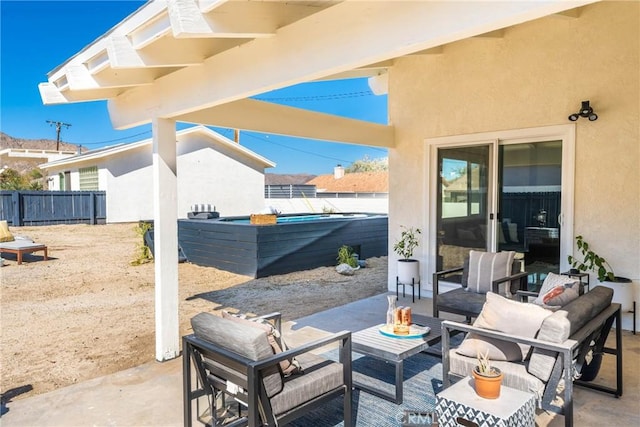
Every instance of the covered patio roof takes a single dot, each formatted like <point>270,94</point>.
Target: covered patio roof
<point>199,60</point>
<point>202,61</point>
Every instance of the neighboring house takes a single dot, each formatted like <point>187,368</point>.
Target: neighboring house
<point>210,169</point>
<point>481,83</point>
<point>29,156</point>
<point>337,192</point>
<point>358,182</point>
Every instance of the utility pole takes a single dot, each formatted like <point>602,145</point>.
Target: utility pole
<point>58,126</point>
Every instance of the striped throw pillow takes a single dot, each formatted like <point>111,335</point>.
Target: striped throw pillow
<point>485,267</point>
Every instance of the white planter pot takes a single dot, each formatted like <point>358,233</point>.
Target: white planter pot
<point>408,271</point>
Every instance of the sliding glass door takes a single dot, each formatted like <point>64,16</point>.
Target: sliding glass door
<point>500,195</point>
<point>530,194</point>
<point>463,203</point>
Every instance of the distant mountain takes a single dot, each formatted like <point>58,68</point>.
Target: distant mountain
<point>287,179</point>
<point>7,141</point>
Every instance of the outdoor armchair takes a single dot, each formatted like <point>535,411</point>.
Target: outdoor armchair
<point>498,272</point>
<point>235,361</point>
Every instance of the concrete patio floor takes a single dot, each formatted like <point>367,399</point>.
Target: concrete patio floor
<point>151,394</point>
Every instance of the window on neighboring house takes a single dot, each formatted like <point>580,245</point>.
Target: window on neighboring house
<point>89,178</point>
<point>61,181</point>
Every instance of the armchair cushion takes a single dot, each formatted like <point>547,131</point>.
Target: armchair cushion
<point>247,341</point>
<point>320,376</point>
<point>497,314</point>
<point>461,301</point>
<point>288,366</point>
<point>485,267</point>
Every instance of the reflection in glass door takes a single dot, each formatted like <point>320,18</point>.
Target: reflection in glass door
<point>463,203</point>
<point>529,198</point>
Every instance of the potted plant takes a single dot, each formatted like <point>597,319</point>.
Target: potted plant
<point>487,378</point>
<point>591,261</point>
<point>408,268</point>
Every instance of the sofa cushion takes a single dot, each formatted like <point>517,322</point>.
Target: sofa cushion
<point>498,314</point>
<point>244,340</point>
<point>485,267</point>
<point>288,366</point>
<point>563,323</point>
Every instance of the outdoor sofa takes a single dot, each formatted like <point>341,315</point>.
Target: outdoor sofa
<point>557,352</point>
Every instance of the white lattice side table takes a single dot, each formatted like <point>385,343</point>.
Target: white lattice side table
<point>459,405</point>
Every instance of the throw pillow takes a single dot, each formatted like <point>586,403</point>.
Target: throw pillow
<point>552,281</point>
<point>288,366</point>
<point>5,234</point>
<point>507,316</point>
<point>485,267</point>
<point>559,296</point>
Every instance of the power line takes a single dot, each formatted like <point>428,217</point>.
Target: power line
<point>318,97</point>
<point>297,149</point>
<point>58,126</point>
<point>117,139</point>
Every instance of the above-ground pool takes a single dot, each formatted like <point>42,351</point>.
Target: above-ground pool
<point>297,242</point>
<point>296,218</point>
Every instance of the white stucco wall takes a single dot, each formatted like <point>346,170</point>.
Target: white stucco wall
<point>535,75</point>
<point>319,204</point>
<point>129,184</point>
<point>207,173</point>
<point>230,181</point>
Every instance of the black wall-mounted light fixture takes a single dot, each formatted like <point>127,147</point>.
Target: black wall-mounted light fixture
<point>585,111</point>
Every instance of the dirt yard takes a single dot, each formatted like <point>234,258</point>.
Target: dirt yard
<point>88,312</point>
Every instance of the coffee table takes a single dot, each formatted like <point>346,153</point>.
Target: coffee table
<point>371,342</point>
<point>21,247</point>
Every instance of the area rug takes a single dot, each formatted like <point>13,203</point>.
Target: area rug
<point>422,380</point>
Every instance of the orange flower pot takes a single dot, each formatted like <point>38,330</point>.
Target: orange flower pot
<point>487,387</point>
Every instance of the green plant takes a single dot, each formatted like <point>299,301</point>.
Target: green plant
<point>591,261</point>
<point>484,365</point>
<point>143,255</point>
<point>345,256</point>
<point>407,243</point>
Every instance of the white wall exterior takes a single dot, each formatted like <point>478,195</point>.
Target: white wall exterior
<point>534,76</point>
<point>319,204</point>
<point>207,173</point>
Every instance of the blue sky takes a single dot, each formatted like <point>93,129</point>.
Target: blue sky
<point>37,36</point>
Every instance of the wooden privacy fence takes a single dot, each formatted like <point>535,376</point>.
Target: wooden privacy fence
<point>53,207</point>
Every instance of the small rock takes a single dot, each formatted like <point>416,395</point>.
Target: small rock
<point>345,269</point>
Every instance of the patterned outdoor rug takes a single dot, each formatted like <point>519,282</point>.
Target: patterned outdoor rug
<point>422,380</point>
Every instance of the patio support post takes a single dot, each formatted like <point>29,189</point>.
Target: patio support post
<point>165,213</point>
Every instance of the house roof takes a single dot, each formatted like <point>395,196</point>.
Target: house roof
<point>182,60</point>
<point>214,137</point>
<point>360,182</point>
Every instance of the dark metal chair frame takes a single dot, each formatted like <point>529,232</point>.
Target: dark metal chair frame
<point>575,348</point>
<point>469,313</point>
<point>215,366</point>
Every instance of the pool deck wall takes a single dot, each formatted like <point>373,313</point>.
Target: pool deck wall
<point>264,250</point>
